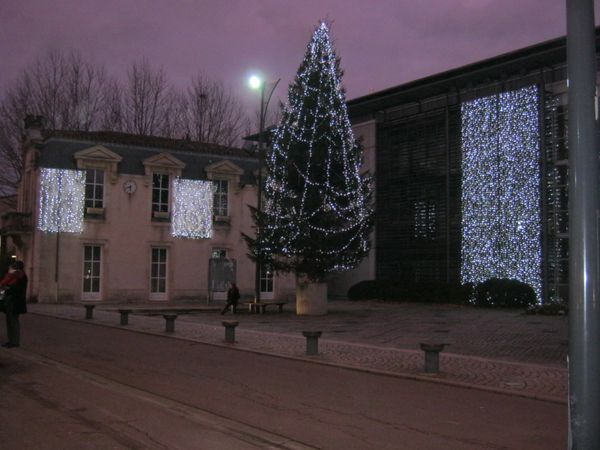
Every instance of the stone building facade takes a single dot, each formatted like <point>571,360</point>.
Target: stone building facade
<point>118,218</point>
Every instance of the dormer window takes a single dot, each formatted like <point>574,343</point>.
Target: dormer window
<point>225,177</point>
<point>100,165</point>
<point>161,170</point>
<point>221,198</point>
<point>160,194</point>
<point>94,190</point>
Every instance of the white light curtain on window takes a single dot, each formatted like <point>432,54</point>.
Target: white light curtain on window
<point>62,194</point>
<point>192,209</point>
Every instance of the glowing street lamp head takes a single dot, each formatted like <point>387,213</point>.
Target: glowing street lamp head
<point>255,82</point>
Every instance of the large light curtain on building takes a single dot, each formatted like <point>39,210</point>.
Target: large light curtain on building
<point>62,195</point>
<point>192,209</point>
<point>501,223</point>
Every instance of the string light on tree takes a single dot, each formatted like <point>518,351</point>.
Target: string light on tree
<point>317,213</point>
<point>192,209</point>
<point>501,219</point>
<point>62,194</point>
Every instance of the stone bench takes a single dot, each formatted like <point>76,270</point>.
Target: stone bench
<point>125,312</point>
<point>432,356</point>
<point>89,311</point>
<point>261,307</point>
<point>125,316</point>
<point>312,342</point>
<point>169,317</point>
<point>169,322</point>
<point>230,330</point>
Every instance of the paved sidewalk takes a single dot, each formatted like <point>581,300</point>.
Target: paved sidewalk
<point>501,351</point>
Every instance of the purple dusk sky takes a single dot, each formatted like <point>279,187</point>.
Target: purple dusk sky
<point>382,43</point>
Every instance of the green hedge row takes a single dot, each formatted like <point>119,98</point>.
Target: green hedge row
<point>504,293</point>
<point>416,292</point>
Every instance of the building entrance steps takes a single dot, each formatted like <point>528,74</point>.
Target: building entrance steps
<point>496,350</point>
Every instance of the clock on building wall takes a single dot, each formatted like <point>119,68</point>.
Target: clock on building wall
<point>129,186</point>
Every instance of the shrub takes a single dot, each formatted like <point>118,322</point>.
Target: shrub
<point>503,293</point>
<point>549,309</point>
<point>363,290</point>
<point>397,290</point>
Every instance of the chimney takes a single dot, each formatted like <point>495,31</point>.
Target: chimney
<point>34,126</point>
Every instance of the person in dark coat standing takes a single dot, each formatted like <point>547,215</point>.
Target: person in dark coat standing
<point>233,295</point>
<point>15,291</point>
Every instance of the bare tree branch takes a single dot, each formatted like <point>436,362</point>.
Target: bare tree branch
<point>212,114</point>
<point>70,93</point>
<point>67,91</point>
<point>111,115</point>
<point>147,99</point>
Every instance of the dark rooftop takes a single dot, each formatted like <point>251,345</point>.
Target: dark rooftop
<point>526,60</point>
<point>147,141</point>
<point>59,147</point>
<point>267,135</point>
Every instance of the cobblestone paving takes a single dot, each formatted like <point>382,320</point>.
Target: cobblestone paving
<point>503,351</point>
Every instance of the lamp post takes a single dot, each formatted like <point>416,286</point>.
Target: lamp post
<point>584,207</point>
<point>257,83</point>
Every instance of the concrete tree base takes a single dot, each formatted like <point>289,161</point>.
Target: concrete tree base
<point>311,298</point>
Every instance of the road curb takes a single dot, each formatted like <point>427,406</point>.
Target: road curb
<point>318,360</point>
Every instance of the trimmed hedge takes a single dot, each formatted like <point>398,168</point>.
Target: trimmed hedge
<point>503,293</point>
<point>495,292</point>
<point>364,290</point>
<point>549,309</point>
<point>402,291</point>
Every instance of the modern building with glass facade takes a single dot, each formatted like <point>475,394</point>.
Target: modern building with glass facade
<point>471,169</point>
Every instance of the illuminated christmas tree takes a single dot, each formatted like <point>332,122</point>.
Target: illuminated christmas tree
<point>317,214</point>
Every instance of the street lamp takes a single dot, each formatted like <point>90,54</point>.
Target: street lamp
<point>256,82</point>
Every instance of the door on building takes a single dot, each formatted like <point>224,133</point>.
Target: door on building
<point>92,273</point>
<point>158,273</point>
<point>221,271</point>
<point>266,282</point>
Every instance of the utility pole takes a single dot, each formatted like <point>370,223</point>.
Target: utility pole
<point>584,273</point>
<point>258,83</point>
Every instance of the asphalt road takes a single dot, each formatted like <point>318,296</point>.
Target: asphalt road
<point>76,385</point>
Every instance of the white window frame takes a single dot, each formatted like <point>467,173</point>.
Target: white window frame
<point>159,295</point>
<point>97,182</point>
<point>91,295</point>
<point>267,280</point>
<point>95,203</point>
<point>221,172</point>
<point>95,158</point>
<point>160,209</point>
<point>218,211</point>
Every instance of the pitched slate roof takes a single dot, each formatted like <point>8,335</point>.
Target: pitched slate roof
<point>59,146</point>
